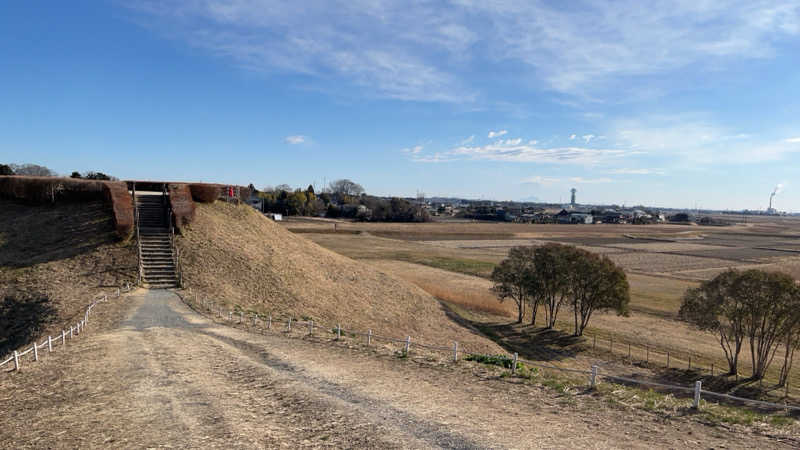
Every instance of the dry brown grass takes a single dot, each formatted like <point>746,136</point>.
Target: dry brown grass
<point>245,260</point>
<point>53,260</point>
<point>205,193</point>
<point>180,199</point>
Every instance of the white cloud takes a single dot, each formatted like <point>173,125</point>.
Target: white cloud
<point>430,52</point>
<point>639,171</point>
<point>514,150</point>
<point>296,139</point>
<point>587,137</point>
<point>516,141</point>
<point>795,140</point>
<point>546,181</point>
<point>413,150</point>
<point>538,179</point>
<point>572,137</point>
<point>468,140</point>
<point>581,180</point>
<point>533,142</point>
<point>494,134</point>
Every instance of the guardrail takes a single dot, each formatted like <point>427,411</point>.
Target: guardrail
<point>454,351</point>
<point>61,340</point>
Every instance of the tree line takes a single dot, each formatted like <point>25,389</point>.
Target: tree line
<point>755,309</point>
<point>555,276</point>
<point>340,199</point>
<point>35,170</point>
<point>752,310</point>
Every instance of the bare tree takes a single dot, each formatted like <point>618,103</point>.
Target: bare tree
<point>32,170</point>
<point>512,279</point>
<point>346,187</point>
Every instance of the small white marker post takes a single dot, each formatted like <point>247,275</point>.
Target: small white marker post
<point>514,364</point>
<point>118,292</point>
<point>269,324</point>
<point>455,351</point>
<point>70,332</point>
<point>241,317</point>
<point>16,360</point>
<point>408,344</point>
<point>255,318</point>
<point>593,379</point>
<point>289,324</point>
<point>310,327</point>
<point>63,337</point>
<point>696,402</point>
<point>35,351</point>
<point>50,344</point>
<point>338,331</point>
<point>230,315</point>
<point>369,337</point>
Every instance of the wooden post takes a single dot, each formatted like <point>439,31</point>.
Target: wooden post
<point>408,344</point>
<point>49,343</point>
<point>338,331</point>
<point>696,403</point>
<point>514,363</point>
<point>667,360</point>
<point>269,324</point>
<point>369,337</point>
<point>611,345</point>
<point>310,327</point>
<point>35,351</point>
<point>629,352</point>
<point>593,379</point>
<point>455,351</point>
<point>16,360</point>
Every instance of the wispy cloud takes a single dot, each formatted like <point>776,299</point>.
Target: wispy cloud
<point>514,150</point>
<point>296,139</point>
<point>468,140</point>
<point>413,150</point>
<point>494,134</point>
<point>547,181</point>
<point>794,140</point>
<point>431,51</point>
<point>639,171</point>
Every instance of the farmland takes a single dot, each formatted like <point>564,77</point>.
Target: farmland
<point>453,260</point>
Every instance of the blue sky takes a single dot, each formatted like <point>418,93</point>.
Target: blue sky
<point>681,104</point>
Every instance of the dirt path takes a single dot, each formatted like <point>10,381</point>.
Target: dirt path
<point>167,377</point>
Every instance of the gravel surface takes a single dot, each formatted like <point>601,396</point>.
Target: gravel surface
<point>165,376</point>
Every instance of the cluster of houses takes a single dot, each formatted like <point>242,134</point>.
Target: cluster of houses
<point>522,213</point>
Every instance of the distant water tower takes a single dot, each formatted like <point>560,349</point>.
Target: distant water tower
<point>573,191</point>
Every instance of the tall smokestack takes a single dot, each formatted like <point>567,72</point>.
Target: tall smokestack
<point>573,191</point>
<point>771,196</point>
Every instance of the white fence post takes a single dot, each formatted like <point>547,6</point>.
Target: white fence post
<point>49,343</point>
<point>35,351</point>
<point>16,360</point>
<point>369,337</point>
<point>118,292</point>
<point>70,332</point>
<point>63,338</point>
<point>593,379</point>
<point>338,331</point>
<point>455,351</point>
<point>514,364</point>
<point>697,385</point>
<point>230,315</point>
<point>289,324</point>
<point>269,324</point>
<point>408,344</point>
<point>255,318</point>
<point>241,316</point>
<point>310,327</point>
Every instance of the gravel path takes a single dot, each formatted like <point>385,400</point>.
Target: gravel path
<point>168,377</point>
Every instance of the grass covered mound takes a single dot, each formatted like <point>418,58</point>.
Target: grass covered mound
<point>53,260</point>
<point>236,255</point>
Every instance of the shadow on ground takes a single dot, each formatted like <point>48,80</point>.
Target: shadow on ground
<point>22,317</point>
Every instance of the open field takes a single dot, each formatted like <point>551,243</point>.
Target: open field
<point>452,261</point>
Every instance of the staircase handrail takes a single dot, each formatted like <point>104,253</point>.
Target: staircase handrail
<point>140,275</point>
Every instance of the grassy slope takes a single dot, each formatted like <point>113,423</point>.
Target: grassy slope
<point>244,260</point>
<point>53,260</point>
